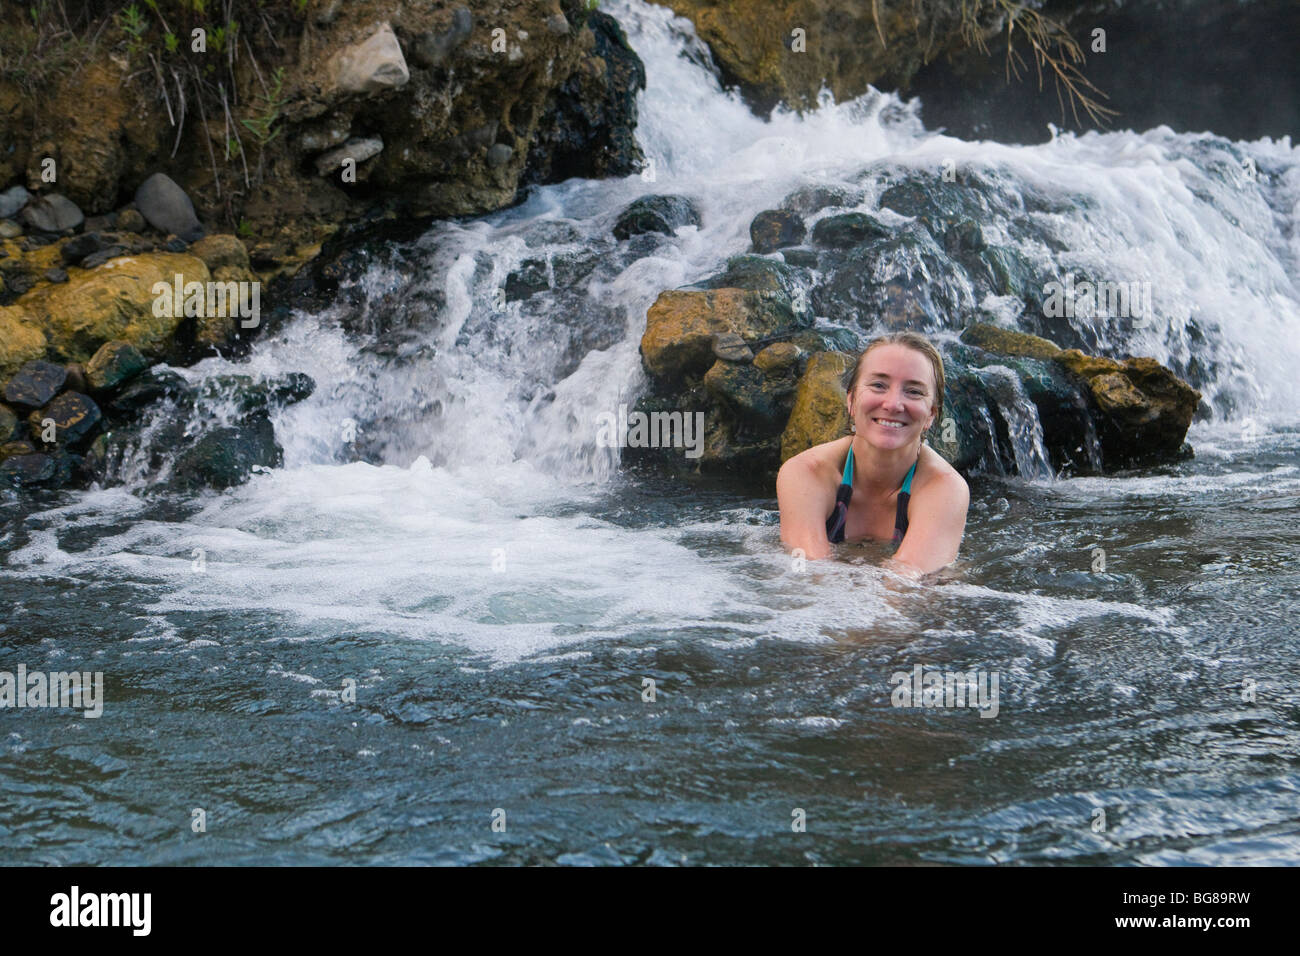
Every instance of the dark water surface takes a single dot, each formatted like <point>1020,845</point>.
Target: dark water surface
<point>1120,690</point>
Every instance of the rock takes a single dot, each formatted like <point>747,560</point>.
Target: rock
<point>221,250</point>
<point>250,396</point>
<point>557,24</point>
<point>8,424</point>
<point>10,229</point>
<point>55,275</point>
<point>151,386</point>
<point>744,392</point>
<point>53,213</point>
<point>810,199</point>
<point>499,154</point>
<point>730,347</point>
<point>434,49</point>
<point>97,259</point>
<point>167,208</point>
<point>12,449</point>
<point>358,150</point>
<point>73,414</point>
<point>779,358</point>
<point>331,130</point>
<point>820,413</point>
<point>681,325</point>
<point>31,470</point>
<point>848,229</point>
<point>130,220</point>
<point>76,380</point>
<point>115,302</point>
<point>804,258</point>
<point>588,128</point>
<point>226,456</point>
<point>12,201</point>
<point>774,229</point>
<point>21,340</point>
<point>372,66</point>
<point>1009,342</point>
<point>1146,409</point>
<point>663,214</point>
<point>35,384</point>
<point>175,244</point>
<point>113,365</point>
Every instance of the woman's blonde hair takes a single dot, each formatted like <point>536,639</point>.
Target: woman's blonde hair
<point>912,340</point>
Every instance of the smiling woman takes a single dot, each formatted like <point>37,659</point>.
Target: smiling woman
<point>882,481</point>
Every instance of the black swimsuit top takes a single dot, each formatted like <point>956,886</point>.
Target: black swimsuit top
<point>839,517</point>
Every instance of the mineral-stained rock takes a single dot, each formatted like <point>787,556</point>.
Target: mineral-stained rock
<point>1009,342</point>
<point>116,301</point>
<point>114,364</point>
<point>11,449</point>
<point>819,413</point>
<point>21,339</point>
<point>35,470</point>
<point>35,384</point>
<point>73,414</point>
<point>681,325</point>
<point>8,423</point>
<point>774,229</point>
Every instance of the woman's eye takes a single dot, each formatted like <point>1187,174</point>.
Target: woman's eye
<point>915,393</point>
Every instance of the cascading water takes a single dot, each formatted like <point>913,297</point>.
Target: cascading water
<point>498,589</point>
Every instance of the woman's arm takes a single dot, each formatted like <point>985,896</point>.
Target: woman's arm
<point>936,519</point>
<point>804,505</point>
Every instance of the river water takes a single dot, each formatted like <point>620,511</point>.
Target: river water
<point>452,629</point>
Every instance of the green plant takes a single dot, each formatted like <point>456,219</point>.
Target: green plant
<point>244,230</point>
<point>262,123</point>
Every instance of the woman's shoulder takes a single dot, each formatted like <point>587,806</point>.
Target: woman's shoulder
<point>936,475</point>
<point>821,460</point>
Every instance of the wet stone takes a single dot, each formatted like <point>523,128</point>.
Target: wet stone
<point>73,414</point>
<point>730,347</point>
<point>35,384</point>
<point>24,470</point>
<point>12,449</point>
<point>114,364</point>
<point>8,423</point>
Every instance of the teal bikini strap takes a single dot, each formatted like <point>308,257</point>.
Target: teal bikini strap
<point>848,469</point>
<point>907,482</point>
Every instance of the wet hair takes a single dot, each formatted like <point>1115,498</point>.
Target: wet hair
<point>912,340</point>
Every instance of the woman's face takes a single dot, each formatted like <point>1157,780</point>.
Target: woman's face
<point>893,400</point>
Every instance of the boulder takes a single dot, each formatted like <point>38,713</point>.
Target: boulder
<point>35,384</point>
<point>73,414</point>
<point>12,201</point>
<point>34,470</point>
<point>819,413</point>
<point>113,364</point>
<point>774,229</point>
<point>681,326</point>
<point>21,340</point>
<point>53,213</point>
<point>115,302</point>
<point>8,424</point>
<point>226,456</point>
<point>848,229</point>
<point>1009,342</point>
<point>11,449</point>
<point>662,214</point>
<point>167,208</point>
<point>374,65</point>
<point>220,251</point>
